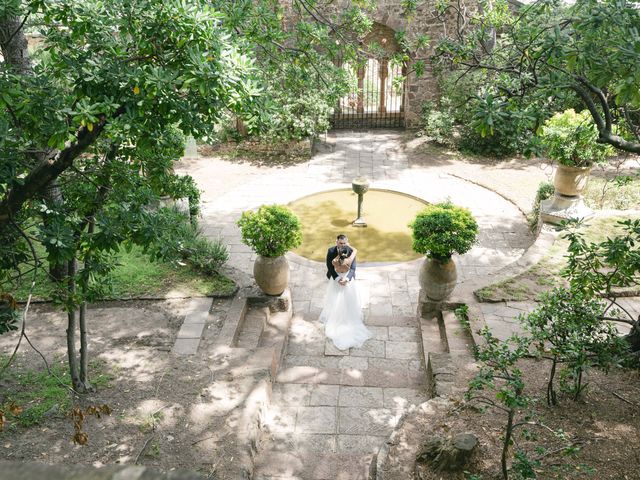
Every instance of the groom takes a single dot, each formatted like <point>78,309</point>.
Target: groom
<point>346,256</point>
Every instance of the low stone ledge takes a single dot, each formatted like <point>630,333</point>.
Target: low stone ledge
<point>275,303</point>
<point>35,470</point>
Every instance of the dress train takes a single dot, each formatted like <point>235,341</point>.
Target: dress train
<point>342,315</point>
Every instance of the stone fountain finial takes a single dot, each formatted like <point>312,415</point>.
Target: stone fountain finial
<point>360,185</point>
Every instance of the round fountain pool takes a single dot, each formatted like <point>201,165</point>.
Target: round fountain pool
<point>386,238</point>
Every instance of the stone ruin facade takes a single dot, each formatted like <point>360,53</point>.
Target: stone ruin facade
<point>390,18</point>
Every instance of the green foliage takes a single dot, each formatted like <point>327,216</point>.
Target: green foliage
<point>180,241</point>
<point>498,128</point>
<point>524,467</point>
<point>9,313</point>
<point>499,372</point>
<point>545,191</point>
<point>443,229</point>
<point>570,139</point>
<point>270,231</point>
<point>568,326</point>
<point>437,124</point>
<point>525,64</point>
<point>300,115</point>
<point>597,268</point>
<point>462,314</point>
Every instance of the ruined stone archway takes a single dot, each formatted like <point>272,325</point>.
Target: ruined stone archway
<point>377,95</point>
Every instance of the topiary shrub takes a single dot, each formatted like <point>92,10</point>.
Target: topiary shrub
<point>270,231</point>
<point>443,229</point>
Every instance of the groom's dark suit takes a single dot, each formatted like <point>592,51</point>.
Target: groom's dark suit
<point>331,271</point>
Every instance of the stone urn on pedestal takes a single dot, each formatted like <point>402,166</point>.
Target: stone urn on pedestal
<point>271,231</point>
<point>439,231</point>
<point>570,139</point>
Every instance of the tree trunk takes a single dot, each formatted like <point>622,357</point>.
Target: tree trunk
<point>54,198</point>
<point>551,393</point>
<point>507,442</point>
<point>84,351</point>
<point>14,46</point>
<point>71,328</point>
<point>633,337</point>
<point>84,344</point>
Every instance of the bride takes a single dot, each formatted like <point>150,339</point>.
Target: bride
<point>342,312</point>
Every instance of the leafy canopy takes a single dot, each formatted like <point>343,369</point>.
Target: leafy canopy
<point>547,56</point>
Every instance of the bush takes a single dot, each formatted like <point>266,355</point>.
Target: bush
<point>443,229</point>
<point>271,231</point>
<point>438,124</point>
<point>569,326</point>
<point>181,241</point>
<point>545,190</point>
<point>570,138</point>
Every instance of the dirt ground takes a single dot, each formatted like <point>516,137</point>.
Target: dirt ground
<point>602,430</point>
<point>164,412</point>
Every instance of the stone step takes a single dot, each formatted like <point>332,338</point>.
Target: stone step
<point>371,377</point>
<point>276,329</point>
<point>459,341</point>
<point>252,327</point>
<point>433,335</point>
<point>270,464</point>
<point>391,321</point>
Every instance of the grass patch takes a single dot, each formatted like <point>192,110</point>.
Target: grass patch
<point>31,396</point>
<point>620,194</point>
<point>546,274</point>
<point>136,277</point>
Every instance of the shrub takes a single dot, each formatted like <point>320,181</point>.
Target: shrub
<point>570,138</point>
<point>438,124</point>
<point>182,241</point>
<point>443,229</point>
<point>545,190</point>
<point>271,231</point>
<point>570,327</point>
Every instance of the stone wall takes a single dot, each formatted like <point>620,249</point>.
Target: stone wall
<point>389,13</point>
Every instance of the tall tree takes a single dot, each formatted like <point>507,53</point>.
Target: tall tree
<point>552,53</point>
<point>94,109</point>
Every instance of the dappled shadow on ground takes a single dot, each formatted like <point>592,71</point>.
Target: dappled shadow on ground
<point>167,411</point>
<point>423,153</point>
<point>261,153</point>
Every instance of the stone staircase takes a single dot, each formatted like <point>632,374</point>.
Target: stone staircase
<point>447,346</point>
<point>315,412</point>
<point>331,410</point>
<point>249,347</point>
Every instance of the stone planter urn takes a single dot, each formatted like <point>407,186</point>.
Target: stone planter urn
<point>566,202</point>
<point>271,274</point>
<point>570,181</point>
<point>438,278</point>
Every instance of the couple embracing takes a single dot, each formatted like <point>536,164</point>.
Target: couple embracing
<point>342,312</point>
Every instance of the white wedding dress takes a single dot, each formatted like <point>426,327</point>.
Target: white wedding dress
<point>342,315</point>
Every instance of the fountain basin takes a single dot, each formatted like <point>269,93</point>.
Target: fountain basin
<point>387,237</point>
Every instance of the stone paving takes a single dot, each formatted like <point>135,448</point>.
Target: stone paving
<point>327,402</point>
